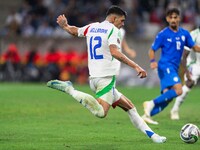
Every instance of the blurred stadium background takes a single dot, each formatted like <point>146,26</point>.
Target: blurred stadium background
<point>34,49</point>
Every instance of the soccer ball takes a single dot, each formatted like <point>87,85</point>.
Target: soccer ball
<point>189,133</point>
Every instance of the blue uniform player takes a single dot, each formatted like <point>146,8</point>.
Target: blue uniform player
<point>171,40</point>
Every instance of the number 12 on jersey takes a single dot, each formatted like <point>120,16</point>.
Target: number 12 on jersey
<point>95,47</point>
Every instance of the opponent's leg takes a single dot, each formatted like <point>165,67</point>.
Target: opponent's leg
<point>159,108</point>
<point>155,110</point>
<point>163,98</point>
<point>85,99</point>
<point>179,100</point>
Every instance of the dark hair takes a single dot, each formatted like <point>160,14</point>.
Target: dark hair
<point>116,10</point>
<point>172,10</point>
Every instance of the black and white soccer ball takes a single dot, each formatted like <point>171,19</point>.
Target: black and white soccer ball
<point>189,133</point>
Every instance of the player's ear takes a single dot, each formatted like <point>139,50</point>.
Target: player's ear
<point>167,18</point>
<point>114,18</point>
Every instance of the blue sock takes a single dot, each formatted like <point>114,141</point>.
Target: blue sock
<point>167,96</point>
<point>159,107</point>
<point>149,133</point>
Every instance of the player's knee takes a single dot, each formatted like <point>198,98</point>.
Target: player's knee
<point>179,91</point>
<point>129,107</point>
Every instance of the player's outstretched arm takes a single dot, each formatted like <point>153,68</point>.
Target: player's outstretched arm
<point>63,23</point>
<point>121,57</point>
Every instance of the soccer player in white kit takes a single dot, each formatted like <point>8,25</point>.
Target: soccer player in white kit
<point>104,56</point>
<point>191,63</point>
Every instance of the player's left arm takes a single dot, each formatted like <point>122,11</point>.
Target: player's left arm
<point>121,57</point>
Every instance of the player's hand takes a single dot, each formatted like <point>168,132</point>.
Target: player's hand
<point>62,21</point>
<point>141,72</point>
<point>154,65</point>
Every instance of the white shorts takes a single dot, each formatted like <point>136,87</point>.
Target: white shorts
<point>104,88</point>
<point>195,72</point>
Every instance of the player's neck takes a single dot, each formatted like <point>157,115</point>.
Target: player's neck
<point>174,29</point>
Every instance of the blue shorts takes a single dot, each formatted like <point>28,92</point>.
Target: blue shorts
<point>168,77</point>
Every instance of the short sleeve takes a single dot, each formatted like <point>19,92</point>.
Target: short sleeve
<point>157,42</point>
<point>82,32</point>
<point>114,38</point>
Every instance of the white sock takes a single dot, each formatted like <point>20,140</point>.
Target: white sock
<point>89,102</point>
<point>139,123</point>
<point>180,99</point>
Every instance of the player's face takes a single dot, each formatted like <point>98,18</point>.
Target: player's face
<point>173,21</point>
<point>119,21</point>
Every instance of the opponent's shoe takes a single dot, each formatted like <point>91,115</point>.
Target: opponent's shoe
<point>63,86</point>
<point>158,139</point>
<point>148,106</point>
<point>174,115</point>
<point>148,120</point>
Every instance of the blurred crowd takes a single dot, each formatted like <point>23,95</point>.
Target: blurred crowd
<point>69,64</point>
<point>38,17</point>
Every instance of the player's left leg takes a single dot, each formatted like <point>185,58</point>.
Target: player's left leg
<point>84,99</point>
<point>163,99</point>
<point>137,121</point>
<point>156,109</point>
<point>159,108</point>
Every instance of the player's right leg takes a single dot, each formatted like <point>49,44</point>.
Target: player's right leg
<point>137,121</point>
<point>195,74</point>
<point>85,99</point>
<point>179,100</point>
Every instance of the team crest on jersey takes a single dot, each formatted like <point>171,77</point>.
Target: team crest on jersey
<point>175,79</point>
<point>183,37</point>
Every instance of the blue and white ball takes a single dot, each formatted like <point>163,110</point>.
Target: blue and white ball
<point>189,133</point>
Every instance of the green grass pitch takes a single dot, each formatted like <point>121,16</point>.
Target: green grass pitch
<point>34,117</point>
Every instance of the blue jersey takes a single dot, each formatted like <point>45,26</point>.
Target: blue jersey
<point>172,46</point>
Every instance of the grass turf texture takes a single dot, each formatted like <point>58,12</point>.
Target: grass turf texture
<point>34,117</point>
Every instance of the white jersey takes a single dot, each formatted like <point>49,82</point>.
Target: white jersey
<point>122,32</point>
<point>194,57</point>
<point>193,60</point>
<point>99,36</point>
